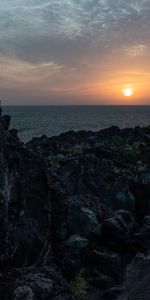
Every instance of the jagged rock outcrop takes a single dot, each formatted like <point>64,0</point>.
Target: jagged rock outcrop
<point>25,204</point>
<point>75,215</point>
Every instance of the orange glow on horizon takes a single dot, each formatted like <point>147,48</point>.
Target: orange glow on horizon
<point>122,86</point>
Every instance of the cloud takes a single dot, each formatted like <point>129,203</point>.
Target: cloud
<point>60,42</point>
<point>37,29</point>
<point>136,50</point>
<point>13,67</point>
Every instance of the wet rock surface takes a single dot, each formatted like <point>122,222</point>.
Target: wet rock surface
<point>75,215</point>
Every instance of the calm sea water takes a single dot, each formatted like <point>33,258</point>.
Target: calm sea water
<point>32,121</point>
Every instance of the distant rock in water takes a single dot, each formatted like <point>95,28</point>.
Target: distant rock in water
<point>4,123</point>
<point>75,215</point>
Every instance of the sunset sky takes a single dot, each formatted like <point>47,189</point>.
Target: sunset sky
<point>74,51</point>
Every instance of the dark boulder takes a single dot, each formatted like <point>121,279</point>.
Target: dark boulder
<point>76,242</point>
<point>119,227</point>
<point>83,221</point>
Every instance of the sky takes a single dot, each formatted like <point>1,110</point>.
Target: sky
<point>74,51</point>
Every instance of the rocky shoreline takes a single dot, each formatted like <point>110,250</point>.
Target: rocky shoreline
<point>75,215</point>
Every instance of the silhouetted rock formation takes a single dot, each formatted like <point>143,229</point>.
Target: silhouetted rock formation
<point>75,215</point>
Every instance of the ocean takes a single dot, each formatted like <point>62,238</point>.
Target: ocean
<point>34,121</point>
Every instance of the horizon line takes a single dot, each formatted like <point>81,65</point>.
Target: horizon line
<point>15,104</point>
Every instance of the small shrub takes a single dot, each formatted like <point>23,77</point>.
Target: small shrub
<point>130,154</point>
<point>117,140</point>
<point>78,283</point>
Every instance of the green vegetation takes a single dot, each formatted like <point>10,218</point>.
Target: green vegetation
<point>130,154</point>
<point>117,140</point>
<point>78,283</point>
<point>98,145</point>
<point>126,150</point>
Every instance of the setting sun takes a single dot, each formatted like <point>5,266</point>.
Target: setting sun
<point>128,92</point>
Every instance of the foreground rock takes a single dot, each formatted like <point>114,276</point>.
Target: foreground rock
<point>83,221</point>
<point>119,227</point>
<point>25,203</point>
<point>137,282</point>
<point>34,283</point>
<point>75,215</point>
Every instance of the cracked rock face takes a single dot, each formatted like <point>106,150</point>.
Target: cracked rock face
<point>25,199</point>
